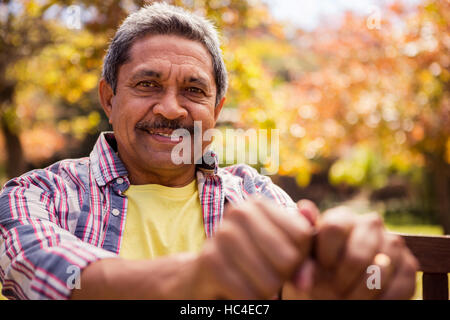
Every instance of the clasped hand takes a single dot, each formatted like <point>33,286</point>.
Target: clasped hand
<point>261,250</point>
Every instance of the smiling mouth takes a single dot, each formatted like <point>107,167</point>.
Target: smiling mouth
<point>164,135</point>
<point>158,133</point>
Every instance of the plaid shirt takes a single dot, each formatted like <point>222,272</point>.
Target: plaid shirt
<point>73,212</point>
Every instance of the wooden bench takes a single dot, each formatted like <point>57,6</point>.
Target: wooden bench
<point>433,254</point>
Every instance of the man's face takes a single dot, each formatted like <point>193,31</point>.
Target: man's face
<point>167,83</point>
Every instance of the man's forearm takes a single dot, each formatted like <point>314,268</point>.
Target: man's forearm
<point>172,277</point>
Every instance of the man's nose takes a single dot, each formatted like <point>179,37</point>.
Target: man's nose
<point>169,107</point>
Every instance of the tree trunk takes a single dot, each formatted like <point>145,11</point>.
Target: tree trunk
<point>15,162</point>
<point>442,191</point>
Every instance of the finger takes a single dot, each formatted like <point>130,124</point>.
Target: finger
<point>234,288</point>
<point>333,231</point>
<point>290,292</point>
<point>295,227</point>
<point>309,210</point>
<point>313,282</point>
<point>272,242</point>
<point>304,277</point>
<point>223,280</point>
<point>362,246</point>
<point>310,282</point>
<point>403,283</point>
<point>238,249</point>
<point>322,285</point>
<point>377,276</point>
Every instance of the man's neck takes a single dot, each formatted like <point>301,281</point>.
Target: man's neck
<point>170,178</point>
<point>174,177</point>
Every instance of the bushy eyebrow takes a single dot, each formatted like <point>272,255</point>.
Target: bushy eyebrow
<point>199,81</point>
<point>145,74</point>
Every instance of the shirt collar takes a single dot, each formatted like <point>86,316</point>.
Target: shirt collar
<point>105,163</point>
<point>107,166</point>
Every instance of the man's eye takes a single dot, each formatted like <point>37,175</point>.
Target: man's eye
<point>146,84</point>
<point>194,90</point>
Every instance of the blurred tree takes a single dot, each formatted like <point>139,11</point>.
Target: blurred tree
<point>368,101</point>
<point>377,99</point>
<point>23,33</point>
<point>52,54</point>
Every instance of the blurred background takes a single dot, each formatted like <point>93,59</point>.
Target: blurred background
<point>359,90</point>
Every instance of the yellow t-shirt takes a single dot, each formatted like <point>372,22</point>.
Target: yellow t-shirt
<point>161,221</point>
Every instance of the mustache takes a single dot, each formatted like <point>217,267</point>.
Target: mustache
<point>163,123</point>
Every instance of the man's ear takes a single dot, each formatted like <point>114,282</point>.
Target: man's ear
<point>106,95</point>
<point>218,108</point>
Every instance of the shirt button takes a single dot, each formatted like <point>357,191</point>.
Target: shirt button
<point>119,180</point>
<point>115,212</point>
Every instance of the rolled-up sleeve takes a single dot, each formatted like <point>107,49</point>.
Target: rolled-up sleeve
<point>257,183</point>
<point>39,259</point>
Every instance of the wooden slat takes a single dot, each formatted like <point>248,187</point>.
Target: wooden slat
<point>432,252</point>
<point>435,286</point>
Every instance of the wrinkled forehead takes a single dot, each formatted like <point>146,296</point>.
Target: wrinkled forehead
<point>162,53</point>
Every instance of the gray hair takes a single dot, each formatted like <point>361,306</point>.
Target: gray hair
<point>162,19</point>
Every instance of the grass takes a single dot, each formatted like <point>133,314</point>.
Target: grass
<point>423,230</point>
<point>416,229</point>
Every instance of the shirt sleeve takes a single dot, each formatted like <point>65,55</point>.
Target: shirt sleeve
<point>271,190</point>
<point>253,182</point>
<point>38,258</point>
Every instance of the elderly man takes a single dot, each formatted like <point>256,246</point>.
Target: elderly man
<point>127,222</point>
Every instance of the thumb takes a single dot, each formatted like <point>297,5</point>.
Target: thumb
<point>309,210</point>
<point>304,277</point>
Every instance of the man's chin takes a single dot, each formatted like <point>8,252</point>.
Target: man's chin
<point>163,162</point>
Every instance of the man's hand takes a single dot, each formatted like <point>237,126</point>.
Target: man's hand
<point>309,210</point>
<point>257,248</point>
<point>346,245</point>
